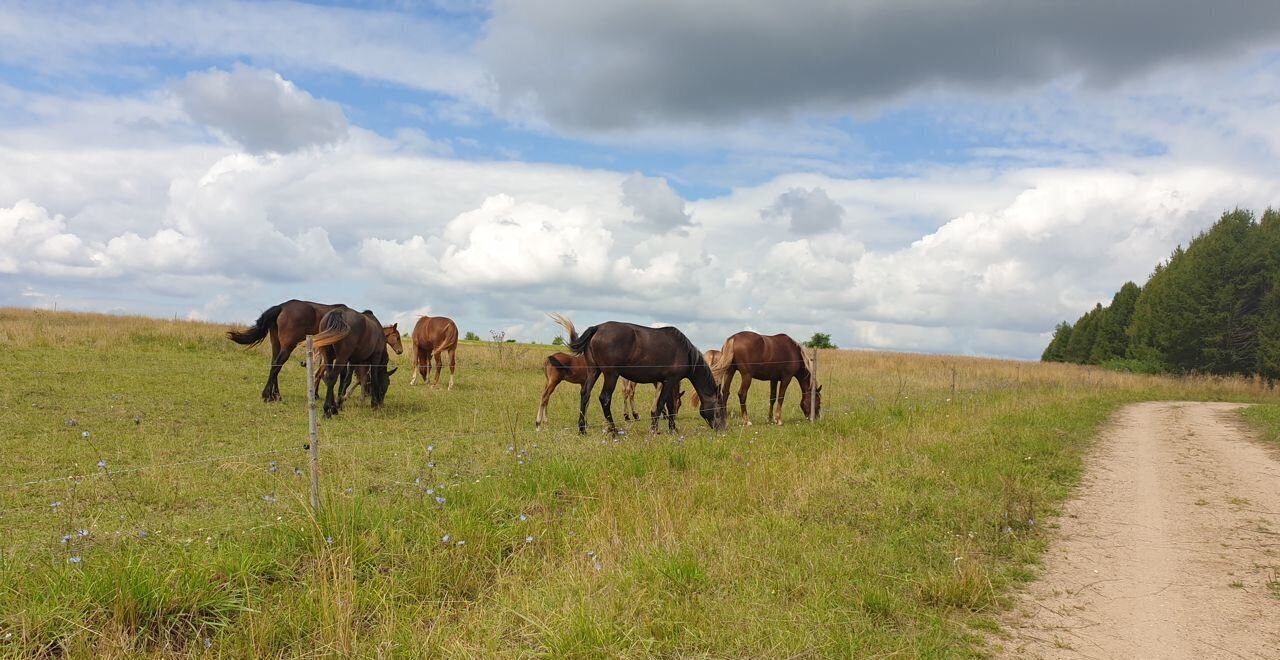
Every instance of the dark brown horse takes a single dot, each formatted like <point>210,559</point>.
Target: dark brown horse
<point>432,336</point>
<point>288,325</point>
<point>644,355</point>
<point>348,339</point>
<point>361,372</point>
<point>777,359</point>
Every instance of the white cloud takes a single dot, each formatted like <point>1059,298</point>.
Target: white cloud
<point>654,202</point>
<point>809,211</point>
<point>259,110</point>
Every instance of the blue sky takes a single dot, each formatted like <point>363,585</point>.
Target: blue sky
<point>902,175</point>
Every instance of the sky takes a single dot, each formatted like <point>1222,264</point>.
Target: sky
<point>902,175</point>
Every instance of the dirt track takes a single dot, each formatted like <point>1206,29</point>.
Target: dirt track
<point>1171,550</point>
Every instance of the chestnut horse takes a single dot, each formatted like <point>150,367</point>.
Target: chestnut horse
<point>777,359</point>
<point>560,367</point>
<point>348,339</point>
<point>629,411</point>
<point>644,355</point>
<point>432,336</point>
<point>288,325</point>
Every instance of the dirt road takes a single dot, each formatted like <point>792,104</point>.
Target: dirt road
<point>1171,550</point>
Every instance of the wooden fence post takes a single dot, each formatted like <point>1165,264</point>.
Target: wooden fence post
<point>313,444</point>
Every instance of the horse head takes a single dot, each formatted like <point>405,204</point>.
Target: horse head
<point>811,406</point>
<point>392,333</point>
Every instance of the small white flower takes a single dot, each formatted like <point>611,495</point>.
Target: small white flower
<point>328,540</point>
<point>528,539</point>
<point>523,517</point>
<point>74,559</point>
<point>461,543</point>
<point>102,463</point>
<point>444,539</point>
<point>84,434</point>
<point>439,500</point>
<point>431,448</point>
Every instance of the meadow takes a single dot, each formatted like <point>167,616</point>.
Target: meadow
<point>153,506</point>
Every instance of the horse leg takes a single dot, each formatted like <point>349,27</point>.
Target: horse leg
<point>330,377</point>
<point>742,397</point>
<point>782,395</point>
<point>587,386</point>
<point>724,389</point>
<point>413,378</point>
<point>439,360</point>
<point>553,380</point>
<point>671,390</point>
<point>422,364</point>
<point>272,391</point>
<point>773,398</point>
<point>606,398</point>
<point>453,364</point>
<point>628,400</point>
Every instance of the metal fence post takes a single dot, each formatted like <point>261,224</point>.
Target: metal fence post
<point>311,423</point>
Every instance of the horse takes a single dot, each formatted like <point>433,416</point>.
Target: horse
<point>560,367</point>
<point>432,336</point>
<point>347,339</point>
<point>777,359</point>
<point>288,325</point>
<point>361,371</point>
<point>643,355</point>
<point>710,356</point>
<point>629,411</point>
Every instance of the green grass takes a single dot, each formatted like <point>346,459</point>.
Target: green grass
<point>896,524</point>
<point>1266,419</point>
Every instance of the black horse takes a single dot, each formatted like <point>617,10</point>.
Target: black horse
<point>645,355</point>
<point>349,340</point>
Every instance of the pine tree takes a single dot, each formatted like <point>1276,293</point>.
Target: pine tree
<point>1113,342</point>
<point>1057,348</point>
<point>1083,334</point>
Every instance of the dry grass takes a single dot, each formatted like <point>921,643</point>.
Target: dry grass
<point>893,525</point>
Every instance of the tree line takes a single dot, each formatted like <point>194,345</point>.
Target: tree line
<point>1213,307</point>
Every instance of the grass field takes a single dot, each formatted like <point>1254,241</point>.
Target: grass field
<point>896,524</point>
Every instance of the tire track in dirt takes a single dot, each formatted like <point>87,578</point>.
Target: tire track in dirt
<point>1171,549</point>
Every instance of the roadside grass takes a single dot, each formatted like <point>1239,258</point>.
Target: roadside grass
<point>896,524</point>
<point>1266,419</point>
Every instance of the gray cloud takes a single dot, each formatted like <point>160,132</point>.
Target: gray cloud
<point>260,111</point>
<point>654,202</point>
<point>810,211</point>
<point>622,64</point>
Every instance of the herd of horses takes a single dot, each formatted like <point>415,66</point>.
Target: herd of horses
<point>350,346</point>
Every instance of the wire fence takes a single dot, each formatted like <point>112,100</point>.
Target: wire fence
<point>125,483</point>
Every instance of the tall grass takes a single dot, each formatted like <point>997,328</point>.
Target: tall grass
<point>895,524</point>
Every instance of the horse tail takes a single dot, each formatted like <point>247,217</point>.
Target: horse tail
<point>333,328</point>
<point>565,323</point>
<point>808,361</point>
<point>258,331</point>
<point>564,370</point>
<point>579,344</point>
<point>721,366</point>
<point>448,341</point>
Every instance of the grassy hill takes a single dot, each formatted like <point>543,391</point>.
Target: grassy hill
<point>153,505</point>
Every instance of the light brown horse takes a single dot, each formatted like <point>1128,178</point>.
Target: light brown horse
<point>288,325</point>
<point>710,356</point>
<point>560,367</point>
<point>629,411</point>
<point>777,359</point>
<point>432,336</point>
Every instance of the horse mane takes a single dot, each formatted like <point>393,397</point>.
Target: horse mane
<point>564,322</point>
<point>808,361</point>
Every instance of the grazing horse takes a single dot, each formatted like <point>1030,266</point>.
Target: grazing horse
<point>392,333</point>
<point>710,356</point>
<point>777,359</point>
<point>644,355</point>
<point>288,324</point>
<point>560,367</point>
<point>629,411</point>
<point>347,339</point>
<point>432,336</point>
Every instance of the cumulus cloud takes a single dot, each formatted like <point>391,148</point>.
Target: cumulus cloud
<point>259,110</point>
<point>655,203</point>
<point>809,211</point>
<point>621,64</point>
